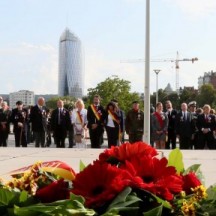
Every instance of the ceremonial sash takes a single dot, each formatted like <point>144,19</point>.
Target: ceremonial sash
<point>114,117</point>
<point>95,112</point>
<point>57,167</point>
<point>159,118</point>
<point>79,118</point>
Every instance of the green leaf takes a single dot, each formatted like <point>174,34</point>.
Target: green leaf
<point>121,197</point>
<point>6,196</point>
<point>82,166</point>
<point>193,168</point>
<point>23,196</point>
<point>77,197</point>
<point>165,203</point>
<point>211,191</point>
<point>175,159</point>
<point>154,212</point>
<point>123,202</point>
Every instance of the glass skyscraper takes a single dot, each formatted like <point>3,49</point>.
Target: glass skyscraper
<point>70,77</point>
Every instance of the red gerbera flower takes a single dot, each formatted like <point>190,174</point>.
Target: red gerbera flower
<point>190,181</point>
<point>158,178</point>
<point>99,183</point>
<point>57,190</point>
<point>128,150</point>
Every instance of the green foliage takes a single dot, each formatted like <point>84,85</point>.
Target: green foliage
<point>82,166</point>
<point>207,95</point>
<point>154,212</point>
<point>122,203</point>
<point>68,102</point>
<point>114,88</point>
<point>175,159</point>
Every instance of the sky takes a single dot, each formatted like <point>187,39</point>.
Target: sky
<point>112,34</point>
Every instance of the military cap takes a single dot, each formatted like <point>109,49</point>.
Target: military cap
<point>135,102</point>
<point>192,103</point>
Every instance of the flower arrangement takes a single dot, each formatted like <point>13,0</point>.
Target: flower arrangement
<point>127,180</point>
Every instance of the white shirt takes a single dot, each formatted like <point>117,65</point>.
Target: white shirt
<point>110,122</point>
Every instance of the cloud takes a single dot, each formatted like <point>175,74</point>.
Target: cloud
<point>46,47</point>
<point>29,66</point>
<point>194,8</point>
<point>99,67</point>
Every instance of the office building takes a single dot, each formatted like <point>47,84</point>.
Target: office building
<point>70,77</point>
<point>27,97</point>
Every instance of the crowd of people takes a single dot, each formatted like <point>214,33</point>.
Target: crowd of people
<point>193,128</point>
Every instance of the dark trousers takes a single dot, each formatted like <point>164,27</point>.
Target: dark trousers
<point>3,138</point>
<point>71,137</point>
<point>39,138</point>
<point>185,142</point>
<point>20,138</point>
<point>112,136</point>
<point>135,137</point>
<point>96,137</point>
<point>205,139</point>
<point>60,136</point>
<point>171,139</point>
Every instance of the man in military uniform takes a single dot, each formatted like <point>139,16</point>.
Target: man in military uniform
<point>134,123</point>
<point>19,118</point>
<point>192,109</point>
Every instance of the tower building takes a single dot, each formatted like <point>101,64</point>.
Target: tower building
<point>70,77</point>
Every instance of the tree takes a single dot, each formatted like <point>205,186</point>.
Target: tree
<point>186,96</point>
<point>114,88</point>
<point>207,95</point>
<point>68,102</point>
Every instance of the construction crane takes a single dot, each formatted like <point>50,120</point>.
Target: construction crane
<point>176,61</point>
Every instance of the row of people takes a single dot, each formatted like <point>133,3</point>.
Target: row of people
<point>61,122</point>
<point>193,129</point>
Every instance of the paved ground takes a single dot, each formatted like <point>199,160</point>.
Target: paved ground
<point>11,143</point>
<point>13,158</point>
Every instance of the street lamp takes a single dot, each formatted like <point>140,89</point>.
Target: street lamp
<point>146,136</point>
<point>157,72</point>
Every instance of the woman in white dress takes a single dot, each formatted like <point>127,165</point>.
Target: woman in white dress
<point>79,121</point>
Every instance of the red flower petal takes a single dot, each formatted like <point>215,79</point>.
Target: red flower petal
<point>57,190</point>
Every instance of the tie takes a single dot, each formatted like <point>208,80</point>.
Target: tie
<point>59,116</point>
<point>185,115</point>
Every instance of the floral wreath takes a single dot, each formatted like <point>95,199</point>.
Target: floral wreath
<point>126,180</point>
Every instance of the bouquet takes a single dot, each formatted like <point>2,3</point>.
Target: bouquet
<point>130,179</point>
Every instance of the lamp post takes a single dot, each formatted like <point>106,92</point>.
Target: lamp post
<point>146,136</point>
<point>157,72</point>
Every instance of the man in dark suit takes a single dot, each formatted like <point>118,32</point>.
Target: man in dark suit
<point>38,118</point>
<point>5,114</point>
<point>192,110</point>
<point>206,126</point>
<point>172,114</point>
<point>60,124</point>
<point>96,117</point>
<point>184,127</point>
<point>19,119</point>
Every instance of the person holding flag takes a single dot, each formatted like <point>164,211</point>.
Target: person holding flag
<point>96,117</point>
